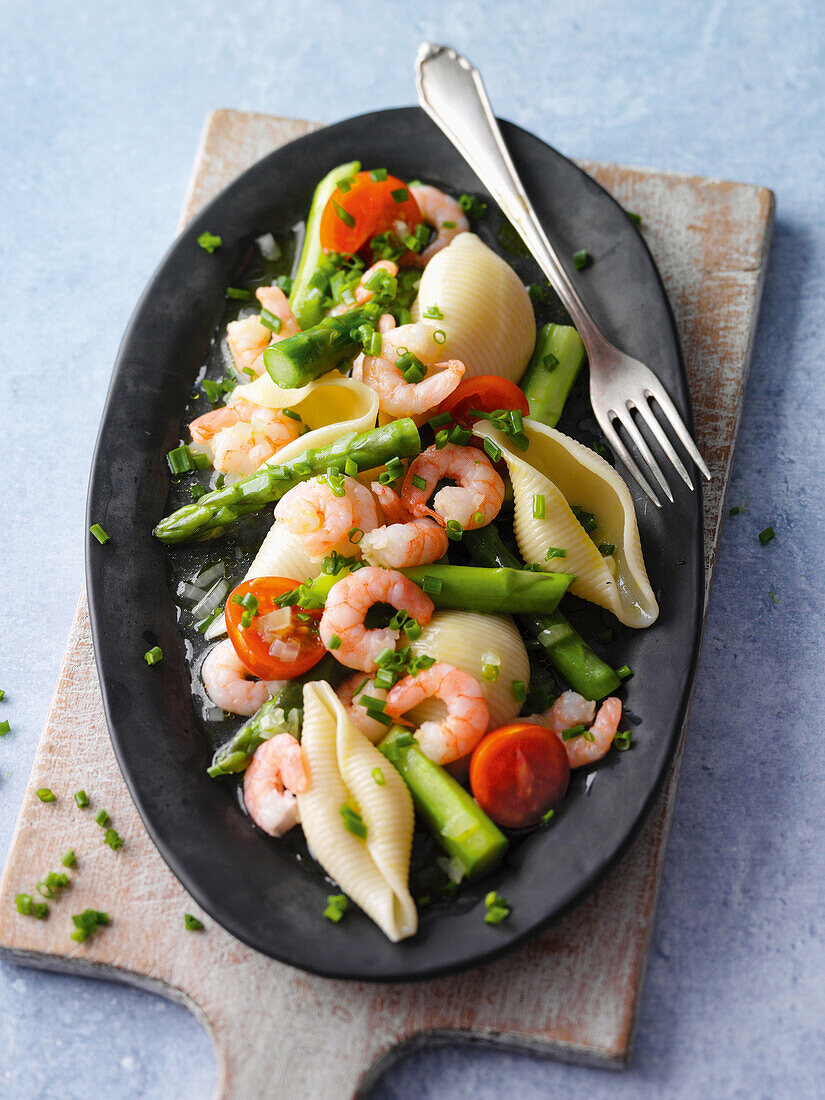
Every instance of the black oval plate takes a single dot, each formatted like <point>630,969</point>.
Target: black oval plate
<point>247,882</point>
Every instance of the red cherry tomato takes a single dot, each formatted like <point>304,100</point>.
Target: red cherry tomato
<point>352,218</point>
<point>251,647</point>
<point>487,393</point>
<point>518,773</point>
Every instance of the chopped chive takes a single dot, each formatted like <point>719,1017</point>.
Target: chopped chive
<point>478,519</point>
<point>439,421</point>
<point>624,672</point>
<point>606,549</point>
<point>586,519</point>
<point>547,817</point>
<point>454,530</point>
<point>538,505</point>
<point>87,922</point>
<point>5,727</point>
<point>440,336</point>
<point>284,283</point>
<point>734,511</point>
<point>419,482</point>
<point>400,194</point>
<point>460,436</point>
<point>353,822</point>
<point>433,313</point>
<point>68,859</point>
<point>572,732</point>
<point>197,491</point>
<point>343,214</point>
<point>152,656</point>
<point>555,552</point>
<point>40,910</point>
<point>766,535</point>
<point>580,259</point>
<point>45,795</point>
<point>497,908</point>
<point>535,292</point>
<point>192,924</point>
<point>492,450</point>
<point>378,776</point>
<point>102,818</point>
<point>442,438</point>
<point>82,799</point>
<point>351,467</point>
<point>344,185</point>
<point>334,642</point>
<point>378,175</point>
<point>202,625</point>
<point>519,690</point>
<point>291,414</point>
<point>44,889</point>
<point>637,218</point>
<point>448,225</point>
<point>336,907</point>
<point>623,741</point>
<point>99,533</point>
<point>238,292</point>
<point>112,838</point>
<point>432,585</point>
<point>473,207</point>
<point>209,242</point>
<point>2,695</point>
<point>271,321</point>
<point>181,460</point>
<point>353,531</point>
<point>24,904</point>
<point>490,672</point>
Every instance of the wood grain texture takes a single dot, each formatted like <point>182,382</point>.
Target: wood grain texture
<point>567,993</point>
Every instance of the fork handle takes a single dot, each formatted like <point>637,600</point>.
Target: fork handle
<point>452,93</point>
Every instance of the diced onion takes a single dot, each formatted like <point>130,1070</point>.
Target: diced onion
<point>268,247</point>
<point>190,592</point>
<point>284,651</point>
<point>274,623</point>
<point>213,598</point>
<point>207,576</point>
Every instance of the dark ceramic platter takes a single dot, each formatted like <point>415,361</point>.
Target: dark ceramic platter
<point>248,883</point>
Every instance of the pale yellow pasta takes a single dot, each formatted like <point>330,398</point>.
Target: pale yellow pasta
<point>340,763</point>
<point>488,317</point>
<point>567,473</point>
<point>469,641</point>
<point>330,406</point>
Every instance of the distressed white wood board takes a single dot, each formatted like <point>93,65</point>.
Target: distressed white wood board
<point>567,993</point>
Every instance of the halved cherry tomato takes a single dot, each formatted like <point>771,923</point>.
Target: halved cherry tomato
<point>519,772</point>
<point>486,392</point>
<point>352,218</point>
<point>250,646</point>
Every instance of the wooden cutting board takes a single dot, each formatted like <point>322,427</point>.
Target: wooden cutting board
<point>568,993</point>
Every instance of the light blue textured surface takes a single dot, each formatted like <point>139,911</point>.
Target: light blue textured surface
<point>102,109</point>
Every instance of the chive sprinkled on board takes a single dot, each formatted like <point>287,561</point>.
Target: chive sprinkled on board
<point>46,795</point>
<point>192,924</point>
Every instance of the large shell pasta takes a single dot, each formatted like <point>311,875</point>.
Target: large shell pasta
<point>488,316</point>
<point>567,473</point>
<point>340,762</point>
<point>329,407</point>
<point>469,641</point>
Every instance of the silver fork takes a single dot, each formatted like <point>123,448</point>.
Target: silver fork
<point>452,93</point>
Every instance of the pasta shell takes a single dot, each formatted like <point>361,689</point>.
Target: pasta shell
<point>488,316</point>
<point>470,640</point>
<point>566,473</point>
<point>340,762</point>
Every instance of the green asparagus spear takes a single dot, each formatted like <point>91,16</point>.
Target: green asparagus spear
<point>556,362</point>
<point>311,282</point>
<point>282,714</point>
<point>299,359</point>
<point>469,588</point>
<point>215,512</point>
<point>460,826</point>
<point>566,650</point>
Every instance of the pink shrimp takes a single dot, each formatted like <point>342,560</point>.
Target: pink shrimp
<point>322,520</point>
<point>436,209</point>
<point>572,709</point>
<point>229,683</point>
<point>276,774</point>
<point>239,438</point>
<point>398,397</point>
<point>416,542</point>
<point>467,714</point>
<point>474,502</point>
<point>363,294</point>
<point>346,608</point>
<point>249,338</point>
<point>359,685</point>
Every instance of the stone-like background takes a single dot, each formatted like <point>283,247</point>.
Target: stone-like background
<point>102,109</point>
